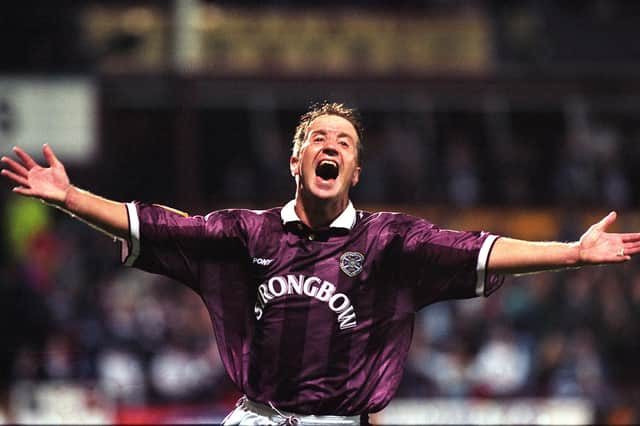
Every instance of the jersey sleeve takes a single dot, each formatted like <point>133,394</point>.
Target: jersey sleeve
<point>168,242</point>
<point>444,264</point>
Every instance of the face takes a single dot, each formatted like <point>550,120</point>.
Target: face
<point>327,164</point>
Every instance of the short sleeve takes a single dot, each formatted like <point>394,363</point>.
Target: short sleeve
<point>442,264</point>
<point>167,242</point>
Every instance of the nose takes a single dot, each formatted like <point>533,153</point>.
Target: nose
<point>329,147</point>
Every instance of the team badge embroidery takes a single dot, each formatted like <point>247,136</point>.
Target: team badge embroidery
<point>352,263</point>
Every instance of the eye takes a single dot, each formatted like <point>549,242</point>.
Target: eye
<point>344,143</point>
<point>318,139</point>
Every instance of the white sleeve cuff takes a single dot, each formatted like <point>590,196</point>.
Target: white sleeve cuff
<point>131,250</point>
<point>483,260</point>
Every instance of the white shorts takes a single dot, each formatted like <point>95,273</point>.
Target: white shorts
<point>249,413</point>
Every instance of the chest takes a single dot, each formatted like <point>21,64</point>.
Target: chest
<point>337,260</point>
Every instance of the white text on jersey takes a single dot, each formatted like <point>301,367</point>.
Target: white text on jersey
<point>315,287</point>
<point>261,261</point>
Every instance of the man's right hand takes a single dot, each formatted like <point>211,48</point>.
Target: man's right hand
<point>47,183</point>
<point>51,184</point>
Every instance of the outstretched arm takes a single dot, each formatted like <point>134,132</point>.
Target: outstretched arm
<point>595,247</point>
<point>51,185</point>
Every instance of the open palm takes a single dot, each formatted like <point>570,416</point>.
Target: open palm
<point>598,246</point>
<point>47,183</point>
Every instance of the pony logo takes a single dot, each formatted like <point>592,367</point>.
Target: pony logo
<point>352,263</point>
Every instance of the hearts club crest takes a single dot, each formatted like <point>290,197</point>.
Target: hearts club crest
<point>351,263</point>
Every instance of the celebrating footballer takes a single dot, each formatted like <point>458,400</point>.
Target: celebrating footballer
<point>313,302</point>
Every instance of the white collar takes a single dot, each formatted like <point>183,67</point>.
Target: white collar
<point>345,220</point>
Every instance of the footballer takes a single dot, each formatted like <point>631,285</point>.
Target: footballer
<point>313,302</point>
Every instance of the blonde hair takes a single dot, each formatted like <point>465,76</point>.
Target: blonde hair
<point>326,108</point>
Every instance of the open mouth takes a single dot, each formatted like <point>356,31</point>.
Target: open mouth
<point>327,170</point>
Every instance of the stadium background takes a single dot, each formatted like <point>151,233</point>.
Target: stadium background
<point>518,117</point>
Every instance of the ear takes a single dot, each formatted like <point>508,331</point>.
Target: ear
<point>356,176</point>
<point>294,165</point>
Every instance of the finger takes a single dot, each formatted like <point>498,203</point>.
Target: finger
<point>15,166</point>
<point>50,156</point>
<point>26,158</point>
<point>23,191</point>
<point>631,251</point>
<point>15,177</point>
<point>628,248</point>
<point>606,221</point>
<point>620,259</point>
<point>630,238</point>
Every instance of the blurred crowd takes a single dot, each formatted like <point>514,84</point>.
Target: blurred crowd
<point>70,313</point>
<point>569,334</point>
<point>454,156</point>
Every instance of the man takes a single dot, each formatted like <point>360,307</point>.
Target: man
<point>313,303</point>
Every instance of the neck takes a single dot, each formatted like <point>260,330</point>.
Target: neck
<point>316,213</point>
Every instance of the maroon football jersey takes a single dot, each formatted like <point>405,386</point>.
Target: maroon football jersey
<point>313,321</point>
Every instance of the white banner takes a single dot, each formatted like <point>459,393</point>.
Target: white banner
<point>58,111</point>
<point>516,411</point>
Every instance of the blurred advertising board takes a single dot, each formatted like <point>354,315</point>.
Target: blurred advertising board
<point>518,411</point>
<point>289,41</point>
<point>59,403</point>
